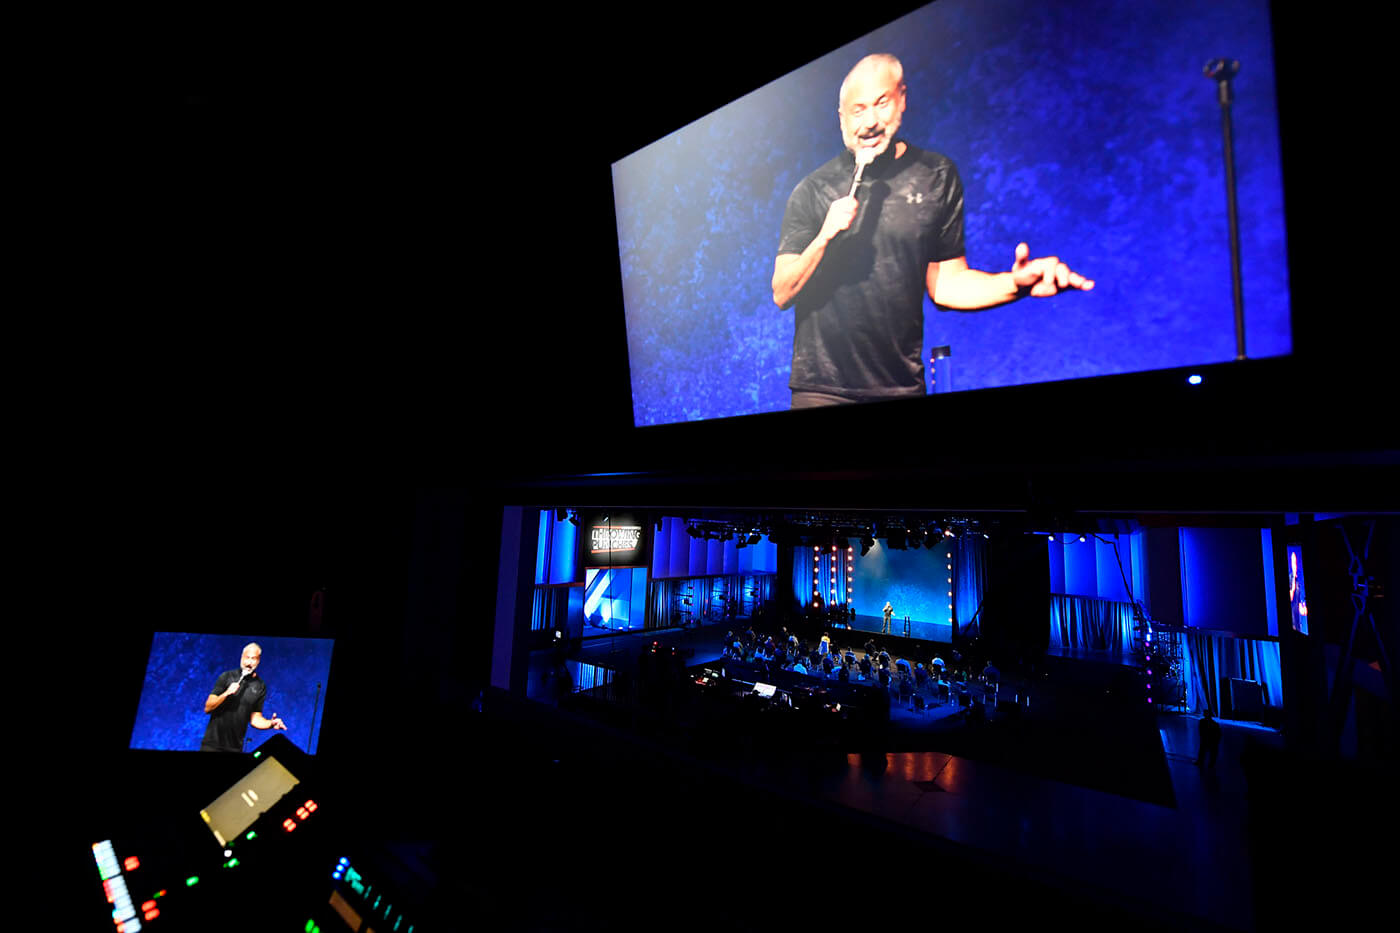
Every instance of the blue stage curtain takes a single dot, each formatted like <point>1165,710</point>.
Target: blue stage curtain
<point>659,606</point>
<point>970,580</point>
<point>1213,656</point>
<point>550,609</point>
<point>1091,624</point>
<point>802,576</point>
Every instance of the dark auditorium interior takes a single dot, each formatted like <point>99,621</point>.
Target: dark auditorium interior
<point>398,407</point>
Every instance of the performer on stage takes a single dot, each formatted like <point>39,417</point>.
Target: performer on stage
<point>865,236</point>
<point>889,614</point>
<point>235,703</point>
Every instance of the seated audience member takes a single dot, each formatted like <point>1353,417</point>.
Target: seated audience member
<point>798,667</point>
<point>920,676</point>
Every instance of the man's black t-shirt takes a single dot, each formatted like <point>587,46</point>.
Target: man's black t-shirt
<point>860,318</point>
<point>229,723</point>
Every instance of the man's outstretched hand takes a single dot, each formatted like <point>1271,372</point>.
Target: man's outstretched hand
<point>1046,276</point>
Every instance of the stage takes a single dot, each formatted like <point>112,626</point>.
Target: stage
<point>921,631</point>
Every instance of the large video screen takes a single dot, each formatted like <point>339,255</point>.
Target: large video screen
<point>283,690</point>
<point>1086,130</point>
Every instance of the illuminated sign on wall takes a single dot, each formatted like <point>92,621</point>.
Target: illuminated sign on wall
<point>604,539</point>
<point>613,539</point>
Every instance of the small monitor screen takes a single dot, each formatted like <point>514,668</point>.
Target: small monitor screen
<point>764,690</point>
<point>231,692</point>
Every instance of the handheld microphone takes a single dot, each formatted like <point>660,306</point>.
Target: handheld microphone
<point>863,158</point>
<point>1221,69</point>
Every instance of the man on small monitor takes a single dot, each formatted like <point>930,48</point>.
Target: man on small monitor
<point>865,236</point>
<point>235,703</point>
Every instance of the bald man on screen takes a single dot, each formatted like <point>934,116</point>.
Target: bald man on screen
<point>866,236</point>
<point>236,703</point>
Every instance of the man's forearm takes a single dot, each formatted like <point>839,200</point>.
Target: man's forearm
<point>794,271</point>
<point>213,702</point>
<point>974,290</point>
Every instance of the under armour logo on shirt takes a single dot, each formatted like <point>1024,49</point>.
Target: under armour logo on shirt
<point>916,197</point>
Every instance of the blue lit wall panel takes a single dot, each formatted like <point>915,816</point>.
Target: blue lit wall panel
<point>1081,568</point>
<point>1115,165</point>
<point>713,558</point>
<point>1138,547</point>
<point>556,553</point>
<point>1270,592</point>
<point>915,582</point>
<point>731,557</point>
<point>759,558</point>
<point>680,549</point>
<point>1056,551</point>
<point>1222,580</point>
<point>1110,577</point>
<point>670,549</point>
<point>695,564</point>
<point>661,551</point>
<point>542,549</point>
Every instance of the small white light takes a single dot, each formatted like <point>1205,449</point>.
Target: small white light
<point>1193,379</point>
